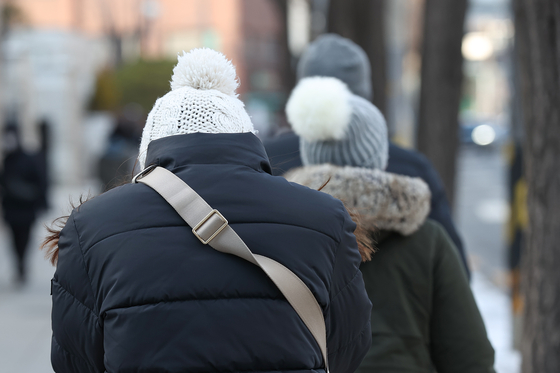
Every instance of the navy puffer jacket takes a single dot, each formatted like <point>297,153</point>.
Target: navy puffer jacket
<point>135,291</point>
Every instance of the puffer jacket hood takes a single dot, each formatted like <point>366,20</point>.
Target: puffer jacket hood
<point>136,291</point>
<point>384,201</point>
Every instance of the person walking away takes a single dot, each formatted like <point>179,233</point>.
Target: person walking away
<point>136,291</point>
<point>424,317</point>
<point>119,158</point>
<point>331,55</point>
<point>22,191</point>
<point>43,159</point>
<point>283,151</point>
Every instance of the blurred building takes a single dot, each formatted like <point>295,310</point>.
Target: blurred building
<point>50,75</point>
<point>487,48</point>
<point>247,31</point>
<point>51,60</point>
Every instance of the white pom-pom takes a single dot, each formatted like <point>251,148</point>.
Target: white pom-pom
<point>204,69</point>
<point>319,109</point>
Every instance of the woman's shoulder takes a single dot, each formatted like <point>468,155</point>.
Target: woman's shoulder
<point>121,209</point>
<point>433,232</point>
<point>314,208</point>
<point>444,255</point>
<point>428,235</point>
<point>432,229</point>
<point>111,200</point>
<point>421,249</point>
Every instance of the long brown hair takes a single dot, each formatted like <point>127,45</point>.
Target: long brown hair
<point>50,243</point>
<point>364,237</point>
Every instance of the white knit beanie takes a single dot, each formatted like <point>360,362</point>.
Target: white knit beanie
<point>336,126</point>
<point>202,99</point>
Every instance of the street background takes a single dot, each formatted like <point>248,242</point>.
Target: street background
<point>92,69</point>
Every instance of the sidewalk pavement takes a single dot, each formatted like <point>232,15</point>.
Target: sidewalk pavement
<point>495,307</point>
<point>25,329</point>
<point>25,326</point>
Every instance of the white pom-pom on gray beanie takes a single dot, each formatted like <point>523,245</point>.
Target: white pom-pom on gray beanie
<point>202,99</point>
<point>336,126</point>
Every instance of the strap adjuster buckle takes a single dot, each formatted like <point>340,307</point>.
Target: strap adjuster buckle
<point>210,226</point>
<point>143,173</point>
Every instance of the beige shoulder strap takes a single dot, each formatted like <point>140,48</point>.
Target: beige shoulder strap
<point>212,228</point>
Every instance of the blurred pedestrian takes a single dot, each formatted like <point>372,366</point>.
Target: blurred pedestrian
<point>334,56</point>
<point>424,316</point>
<point>136,290</point>
<point>43,159</point>
<point>119,158</point>
<point>23,192</point>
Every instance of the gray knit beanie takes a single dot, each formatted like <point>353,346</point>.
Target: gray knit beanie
<point>336,126</point>
<point>338,57</point>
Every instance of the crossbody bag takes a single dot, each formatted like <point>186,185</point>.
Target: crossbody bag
<point>212,229</point>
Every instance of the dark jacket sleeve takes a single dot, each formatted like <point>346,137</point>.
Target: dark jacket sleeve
<point>348,316</point>
<point>459,340</point>
<point>441,212</point>
<point>77,342</point>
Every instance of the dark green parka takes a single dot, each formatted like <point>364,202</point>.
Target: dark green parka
<point>424,317</point>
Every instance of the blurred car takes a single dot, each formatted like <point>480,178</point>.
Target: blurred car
<point>482,133</point>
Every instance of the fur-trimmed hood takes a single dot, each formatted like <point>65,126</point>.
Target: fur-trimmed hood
<point>383,200</point>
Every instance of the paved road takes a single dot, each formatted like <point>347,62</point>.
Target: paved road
<point>482,210</point>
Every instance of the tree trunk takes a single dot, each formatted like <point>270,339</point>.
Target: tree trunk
<point>3,30</point>
<point>288,71</point>
<point>440,93</point>
<point>538,42</point>
<point>362,21</point>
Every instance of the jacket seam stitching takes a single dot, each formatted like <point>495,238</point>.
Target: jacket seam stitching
<point>346,286</point>
<point>291,225</point>
<point>193,300</point>
<point>303,369</point>
<point>77,300</point>
<point>398,335</point>
<point>180,168</point>
<point>72,354</point>
<point>339,243</point>
<point>84,263</point>
<point>361,332</point>
<point>186,226</point>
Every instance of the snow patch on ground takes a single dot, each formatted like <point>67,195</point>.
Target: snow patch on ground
<point>495,307</point>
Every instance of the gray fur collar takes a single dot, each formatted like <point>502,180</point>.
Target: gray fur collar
<point>383,200</point>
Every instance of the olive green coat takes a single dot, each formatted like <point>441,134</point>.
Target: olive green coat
<point>424,318</point>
